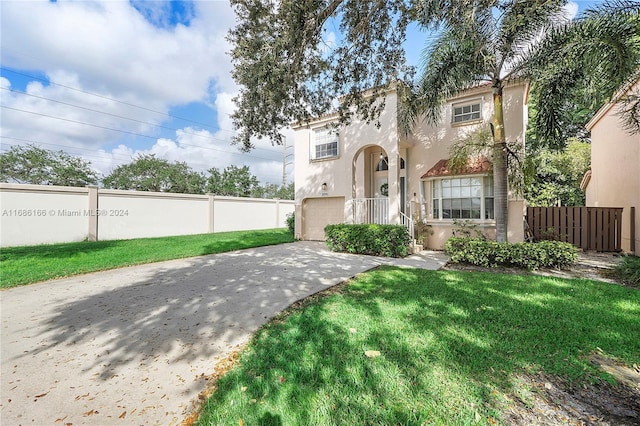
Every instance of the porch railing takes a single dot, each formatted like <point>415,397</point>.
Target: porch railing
<point>407,221</point>
<point>376,210</point>
<point>371,210</point>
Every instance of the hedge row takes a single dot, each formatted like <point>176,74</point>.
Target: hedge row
<point>374,240</point>
<point>543,254</point>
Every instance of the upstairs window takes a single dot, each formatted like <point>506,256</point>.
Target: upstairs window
<point>468,112</point>
<point>324,144</point>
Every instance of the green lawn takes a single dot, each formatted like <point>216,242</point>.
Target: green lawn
<point>451,345</point>
<point>29,264</point>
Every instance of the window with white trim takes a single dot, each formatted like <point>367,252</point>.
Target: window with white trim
<point>462,198</point>
<point>463,113</point>
<point>324,143</point>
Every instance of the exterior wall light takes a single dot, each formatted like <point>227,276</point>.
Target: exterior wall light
<point>324,186</point>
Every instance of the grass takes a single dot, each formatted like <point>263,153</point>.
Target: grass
<point>29,264</point>
<point>451,347</point>
<point>628,270</point>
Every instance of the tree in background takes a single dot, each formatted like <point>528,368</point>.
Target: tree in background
<point>37,166</point>
<point>271,190</point>
<point>286,73</point>
<point>233,181</point>
<point>553,177</point>
<point>148,173</point>
<point>33,165</point>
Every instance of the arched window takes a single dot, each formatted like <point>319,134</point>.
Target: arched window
<point>383,164</point>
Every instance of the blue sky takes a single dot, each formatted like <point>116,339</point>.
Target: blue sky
<point>107,80</point>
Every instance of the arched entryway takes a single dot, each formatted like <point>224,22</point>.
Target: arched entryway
<point>377,185</point>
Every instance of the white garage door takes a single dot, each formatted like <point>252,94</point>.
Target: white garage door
<point>318,213</point>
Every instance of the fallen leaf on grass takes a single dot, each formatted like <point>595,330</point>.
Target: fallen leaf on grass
<point>371,354</point>
<point>281,379</point>
<point>240,422</point>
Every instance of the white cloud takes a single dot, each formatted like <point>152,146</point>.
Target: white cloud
<point>570,10</point>
<point>203,150</point>
<point>114,49</point>
<point>110,49</point>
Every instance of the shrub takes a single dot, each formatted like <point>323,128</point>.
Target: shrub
<point>628,270</point>
<point>543,254</point>
<point>374,240</point>
<point>421,231</point>
<point>465,228</point>
<point>291,222</point>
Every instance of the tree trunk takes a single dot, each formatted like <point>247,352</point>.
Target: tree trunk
<point>499,165</point>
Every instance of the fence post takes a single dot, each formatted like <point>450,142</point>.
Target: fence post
<point>632,230</point>
<point>92,232</point>
<point>211,212</point>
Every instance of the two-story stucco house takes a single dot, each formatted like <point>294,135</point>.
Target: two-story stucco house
<point>363,173</point>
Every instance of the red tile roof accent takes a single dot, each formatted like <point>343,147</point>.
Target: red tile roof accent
<point>474,166</point>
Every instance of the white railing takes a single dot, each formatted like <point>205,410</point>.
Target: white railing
<point>376,210</point>
<point>371,210</point>
<point>407,221</point>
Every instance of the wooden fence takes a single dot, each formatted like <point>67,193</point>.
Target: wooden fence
<point>588,228</point>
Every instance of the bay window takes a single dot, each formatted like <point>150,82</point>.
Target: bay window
<point>462,198</point>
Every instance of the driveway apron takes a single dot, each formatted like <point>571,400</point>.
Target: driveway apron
<point>135,345</point>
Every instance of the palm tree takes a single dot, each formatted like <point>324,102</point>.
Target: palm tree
<point>496,41</point>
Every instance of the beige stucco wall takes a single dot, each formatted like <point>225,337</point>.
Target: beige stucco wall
<point>425,146</point>
<point>615,169</point>
<point>35,214</point>
<point>38,214</point>
<point>130,214</point>
<point>239,214</point>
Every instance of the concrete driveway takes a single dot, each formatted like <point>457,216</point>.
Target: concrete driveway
<point>134,345</point>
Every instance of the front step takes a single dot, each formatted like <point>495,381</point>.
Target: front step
<point>416,248</point>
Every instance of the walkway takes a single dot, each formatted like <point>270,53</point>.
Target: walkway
<point>134,345</point>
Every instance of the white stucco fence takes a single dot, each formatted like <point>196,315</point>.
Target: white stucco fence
<point>40,214</point>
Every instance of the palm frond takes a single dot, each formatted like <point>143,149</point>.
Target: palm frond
<point>456,62</point>
<point>522,24</point>
<point>629,109</point>
<point>582,60</point>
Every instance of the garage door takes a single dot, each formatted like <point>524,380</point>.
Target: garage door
<point>318,213</point>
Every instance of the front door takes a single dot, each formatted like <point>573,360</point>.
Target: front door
<point>380,204</point>
<point>380,185</point>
